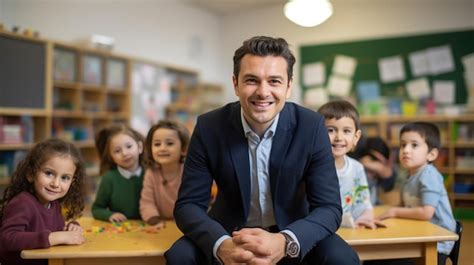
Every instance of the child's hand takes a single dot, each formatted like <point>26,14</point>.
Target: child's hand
<point>117,218</point>
<point>160,225</point>
<point>153,220</point>
<point>156,227</point>
<point>365,223</point>
<point>73,226</point>
<point>155,223</point>
<point>66,238</point>
<point>372,224</point>
<point>390,213</point>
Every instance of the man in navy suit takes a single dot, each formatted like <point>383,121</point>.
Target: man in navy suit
<point>278,194</point>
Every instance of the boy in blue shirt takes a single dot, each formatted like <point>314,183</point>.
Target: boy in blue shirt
<point>423,195</point>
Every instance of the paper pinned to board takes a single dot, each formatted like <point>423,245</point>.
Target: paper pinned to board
<point>444,91</point>
<point>316,97</point>
<point>339,86</point>
<point>468,62</point>
<point>368,90</point>
<point>391,69</point>
<point>419,63</point>
<point>440,60</point>
<point>314,74</point>
<point>344,65</point>
<point>418,89</point>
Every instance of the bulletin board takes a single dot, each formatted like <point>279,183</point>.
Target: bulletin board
<point>368,52</point>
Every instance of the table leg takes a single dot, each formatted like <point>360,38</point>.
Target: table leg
<point>430,254</point>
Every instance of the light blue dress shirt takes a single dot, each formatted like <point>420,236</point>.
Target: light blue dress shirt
<point>261,206</point>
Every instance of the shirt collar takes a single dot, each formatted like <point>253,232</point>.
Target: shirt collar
<point>129,174</point>
<point>269,132</point>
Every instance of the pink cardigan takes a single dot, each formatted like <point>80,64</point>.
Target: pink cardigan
<point>158,199</point>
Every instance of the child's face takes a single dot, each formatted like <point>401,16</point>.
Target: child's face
<point>414,152</point>
<point>166,147</point>
<point>125,151</point>
<point>54,178</point>
<point>343,135</point>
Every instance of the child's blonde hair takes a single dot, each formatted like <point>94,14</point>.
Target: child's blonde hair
<point>43,151</point>
<point>183,135</point>
<point>102,143</point>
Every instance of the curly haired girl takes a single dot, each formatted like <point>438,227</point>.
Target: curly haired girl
<point>50,177</point>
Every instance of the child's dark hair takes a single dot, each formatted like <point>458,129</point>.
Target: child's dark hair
<point>102,144</point>
<point>43,151</point>
<point>183,135</point>
<point>377,144</point>
<point>428,131</point>
<point>338,109</point>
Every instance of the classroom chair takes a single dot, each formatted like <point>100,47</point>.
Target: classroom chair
<point>457,244</point>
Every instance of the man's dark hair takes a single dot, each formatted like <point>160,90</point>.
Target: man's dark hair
<point>265,46</point>
<point>428,131</point>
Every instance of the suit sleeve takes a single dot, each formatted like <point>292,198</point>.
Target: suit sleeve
<point>322,191</point>
<point>100,208</point>
<point>13,232</point>
<point>148,207</point>
<point>191,207</point>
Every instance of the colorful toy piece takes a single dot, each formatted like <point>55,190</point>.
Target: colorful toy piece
<point>97,229</point>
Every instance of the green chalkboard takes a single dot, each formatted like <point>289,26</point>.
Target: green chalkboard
<point>368,52</point>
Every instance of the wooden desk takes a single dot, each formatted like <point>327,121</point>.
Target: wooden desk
<point>402,238</point>
<point>110,247</point>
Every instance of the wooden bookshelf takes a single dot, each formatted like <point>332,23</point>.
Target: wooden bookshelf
<point>83,91</point>
<point>78,98</point>
<point>194,100</point>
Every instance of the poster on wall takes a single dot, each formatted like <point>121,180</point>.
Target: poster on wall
<point>151,93</point>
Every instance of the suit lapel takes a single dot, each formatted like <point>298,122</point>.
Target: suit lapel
<point>281,142</point>
<point>240,156</point>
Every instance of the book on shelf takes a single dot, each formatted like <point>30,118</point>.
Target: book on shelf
<point>16,130</point>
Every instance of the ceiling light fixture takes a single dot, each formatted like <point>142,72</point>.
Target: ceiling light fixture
<point>308,13</point>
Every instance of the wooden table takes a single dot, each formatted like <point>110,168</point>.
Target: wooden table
<point>403,238</point>
<point>111,246</point>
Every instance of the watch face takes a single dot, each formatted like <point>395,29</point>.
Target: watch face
<point>292,249</point>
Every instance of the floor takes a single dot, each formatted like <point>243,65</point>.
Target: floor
<point>466,254</point>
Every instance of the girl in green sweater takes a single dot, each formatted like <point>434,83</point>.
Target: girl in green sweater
<point>121,151</point>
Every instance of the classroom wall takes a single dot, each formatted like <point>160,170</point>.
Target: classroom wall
<point>1,11</point>
<point>352,20</point>
<point>158,30</point>
<point>170,32</point>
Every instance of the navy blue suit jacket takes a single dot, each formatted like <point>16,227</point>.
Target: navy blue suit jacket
<point>303,180</point>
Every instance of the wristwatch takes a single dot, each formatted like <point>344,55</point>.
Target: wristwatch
<point>292,248</point>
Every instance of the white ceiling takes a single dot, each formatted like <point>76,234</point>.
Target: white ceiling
<point>222,7</point>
